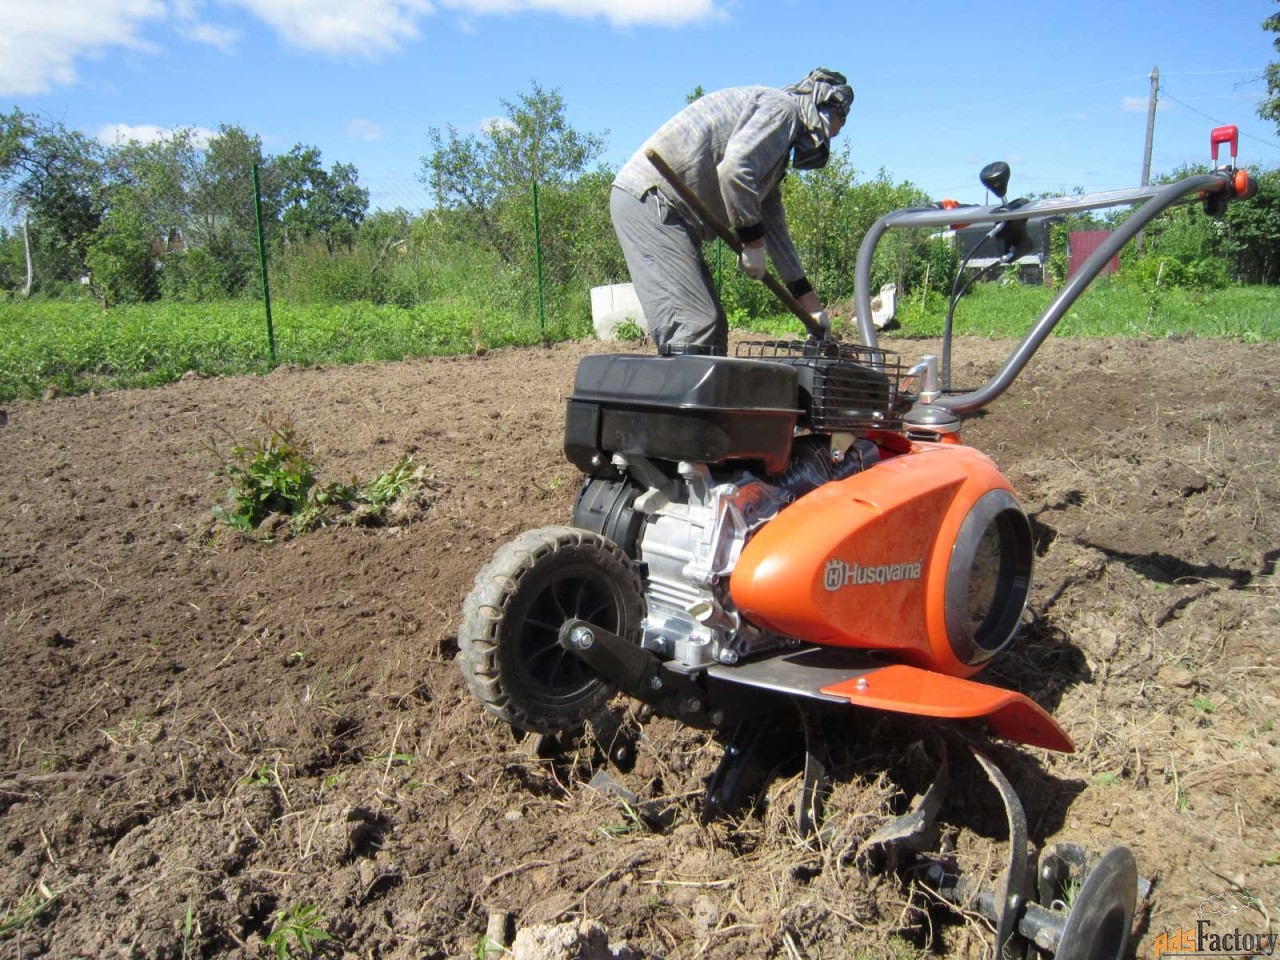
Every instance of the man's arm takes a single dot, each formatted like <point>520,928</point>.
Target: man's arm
<point>754,154</point>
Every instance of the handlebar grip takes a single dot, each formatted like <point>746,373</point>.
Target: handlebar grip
<point>1220,135</point>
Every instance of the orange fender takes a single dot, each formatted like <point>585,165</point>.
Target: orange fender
<point>903,689</point>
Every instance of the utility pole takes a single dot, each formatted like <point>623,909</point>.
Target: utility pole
<point>1151,131</point>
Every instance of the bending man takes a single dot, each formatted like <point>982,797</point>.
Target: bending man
<point>731,148</point>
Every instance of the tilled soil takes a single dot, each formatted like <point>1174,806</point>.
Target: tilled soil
<point>200,731</point>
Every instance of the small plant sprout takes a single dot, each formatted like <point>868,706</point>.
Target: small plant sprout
<point>392,759</point>
<point>259,777</point>
<point>15,916</point>
<point>633,822</point>
<point>188,924</point>
<point>300,928</point>
<point>1203,703</point>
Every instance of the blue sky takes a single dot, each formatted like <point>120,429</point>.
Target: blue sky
<point>1057,89</point>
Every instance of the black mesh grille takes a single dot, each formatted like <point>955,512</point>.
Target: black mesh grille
<point>843,386</point>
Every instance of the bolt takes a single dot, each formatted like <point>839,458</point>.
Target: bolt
<point>727,657</point>
<point>717,717</point>
<point>655,683</point>
<point>862,684</point>
<point>582,638</point>
<point>691,705</point>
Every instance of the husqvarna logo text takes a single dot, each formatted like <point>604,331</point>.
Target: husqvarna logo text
<point>838,574</point>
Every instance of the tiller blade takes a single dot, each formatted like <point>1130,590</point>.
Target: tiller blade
<point>1065,904</point>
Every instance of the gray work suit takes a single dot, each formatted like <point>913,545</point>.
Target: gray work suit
<point>731,148</point>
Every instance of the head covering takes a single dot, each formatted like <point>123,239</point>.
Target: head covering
<point>822,93</point>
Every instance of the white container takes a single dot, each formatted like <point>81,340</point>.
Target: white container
<point>612,306</point>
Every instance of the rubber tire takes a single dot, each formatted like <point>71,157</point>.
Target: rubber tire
<point>511,660</point>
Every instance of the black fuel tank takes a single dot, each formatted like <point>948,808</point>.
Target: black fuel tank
<point>696,408</point>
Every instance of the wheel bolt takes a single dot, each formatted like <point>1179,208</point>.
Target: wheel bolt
<point>582,638</point>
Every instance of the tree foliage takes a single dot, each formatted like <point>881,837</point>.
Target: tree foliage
<point>1269,109</point>
<point>1184,247</point>
<point>484,181</point>
<point>175,219</point>
<point>314,202</point>
<point>52,175</point>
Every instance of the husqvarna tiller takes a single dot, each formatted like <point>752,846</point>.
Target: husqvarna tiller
<point>800,523</point>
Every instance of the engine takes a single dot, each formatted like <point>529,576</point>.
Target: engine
<point>686,529</point>
<point>742,490</point>
<point>687,456</point>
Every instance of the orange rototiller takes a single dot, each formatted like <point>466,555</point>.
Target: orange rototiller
<point>800,524</point>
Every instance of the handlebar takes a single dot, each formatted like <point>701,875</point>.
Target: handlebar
<point>1220,184</point>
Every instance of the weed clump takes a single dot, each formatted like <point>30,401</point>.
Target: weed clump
<point>275,485</point>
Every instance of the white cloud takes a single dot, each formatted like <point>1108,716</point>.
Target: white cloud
<point>145,133</point>
<point>366,28</point>
<point>192,27</point>
<point>494,124</point>
<point>358,128</point>
<point>224,38</point>
<point>41,42</point>
<point>669,13</point>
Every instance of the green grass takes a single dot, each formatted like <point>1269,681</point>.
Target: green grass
<point>75,346</point>
<point>1107,309</point>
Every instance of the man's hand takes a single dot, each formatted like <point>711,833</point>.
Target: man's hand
<point>822,319</point>
<point>752,261</point>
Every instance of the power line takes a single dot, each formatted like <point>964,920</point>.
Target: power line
<point>1220,123</point>
<point>1214,73</point>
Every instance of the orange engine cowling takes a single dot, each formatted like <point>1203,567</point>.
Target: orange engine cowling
<point>925,556</point>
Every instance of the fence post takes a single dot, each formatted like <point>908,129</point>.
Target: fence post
<point>262,261</point>
<point>537,260</point>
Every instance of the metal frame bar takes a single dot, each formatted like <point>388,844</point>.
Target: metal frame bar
<point>1154,199</point>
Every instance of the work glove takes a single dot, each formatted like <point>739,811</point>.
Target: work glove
<point>824,321</point>
<point>751,261</point>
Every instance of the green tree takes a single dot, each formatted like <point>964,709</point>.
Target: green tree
<point>121,259</point>
<point>1252,241</point>
<point>222,221</point>
<point>482,182</point>
<point>52,175</point>
<point>146,193</point>
<point>318,203</point>
<point>830,210</point>
<point>1269,109</point>
<point>1187,248</point>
